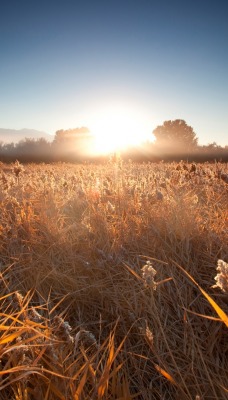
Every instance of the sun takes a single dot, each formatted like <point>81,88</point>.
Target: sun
<point>116,129</point>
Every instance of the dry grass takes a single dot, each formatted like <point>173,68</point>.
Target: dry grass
<point>107,282</point>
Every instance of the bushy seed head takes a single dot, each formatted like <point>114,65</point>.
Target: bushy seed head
<point>222,277</point>
<point>148,274</point>
<point>62,329</point>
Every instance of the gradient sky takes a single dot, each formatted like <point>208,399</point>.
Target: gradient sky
<point>63,62</point>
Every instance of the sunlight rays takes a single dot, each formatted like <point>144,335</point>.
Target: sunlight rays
<point>115,129</point>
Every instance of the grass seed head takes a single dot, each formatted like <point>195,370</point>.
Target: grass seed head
<point>222,277</point>
<point>62,329</point>
<point>148,274</point>
<point>17,169</point>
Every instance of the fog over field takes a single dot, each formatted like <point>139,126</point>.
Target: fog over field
<point>15,135</point>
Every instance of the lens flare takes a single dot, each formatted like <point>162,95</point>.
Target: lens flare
<point>115,130</point>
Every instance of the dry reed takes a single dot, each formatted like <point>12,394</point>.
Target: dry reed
<point>86,246</point>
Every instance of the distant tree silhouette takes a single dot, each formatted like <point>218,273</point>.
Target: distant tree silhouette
<point>213,147</point>
<point>175,136</point>
<point>33,149</point>
<point>175,141</point>
<point>65,136</point>
<point>71,144</point>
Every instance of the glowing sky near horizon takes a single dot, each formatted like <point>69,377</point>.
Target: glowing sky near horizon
<point>63,63</point>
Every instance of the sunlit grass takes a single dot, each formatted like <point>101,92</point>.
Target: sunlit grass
<point>107,282</point>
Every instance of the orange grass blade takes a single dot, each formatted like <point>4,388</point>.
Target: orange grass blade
<point>81,385</point>
<point>35,324</point>
<point>7,316</point>
<point>47,393</point>
<point>91,369</point>
<point>116,370</point>
<point>20,378</point>
<point>6,328</point>
<point>225,389</point>
<point>133,272</point>
<point>78,372</point>
<point>202,315</point>
<point>11,337</point>
<point>111,352</point>
<point>7,295</point>
<point>54,390</point>
<point>164,281</point>
<point>165,374</point>
<point>105,376</point>
<point>33,370</point>
<point>217,309</point>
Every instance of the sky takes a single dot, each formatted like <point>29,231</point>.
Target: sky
<point>67,64</point>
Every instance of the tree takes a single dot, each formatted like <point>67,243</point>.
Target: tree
<point>69,135</point>
<point>71,143</point>
<point>175,136</point>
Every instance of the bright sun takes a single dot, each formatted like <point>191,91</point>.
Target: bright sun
<point>116,129</point>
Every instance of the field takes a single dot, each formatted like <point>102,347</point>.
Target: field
<point>108,286</point>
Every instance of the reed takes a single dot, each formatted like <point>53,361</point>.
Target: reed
<point>109,287</point>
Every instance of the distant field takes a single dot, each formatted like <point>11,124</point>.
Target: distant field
<point>95,299</point>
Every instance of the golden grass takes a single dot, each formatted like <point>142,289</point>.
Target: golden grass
<point>107,282</point>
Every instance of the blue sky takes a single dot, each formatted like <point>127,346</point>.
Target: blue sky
<point>63,63</point>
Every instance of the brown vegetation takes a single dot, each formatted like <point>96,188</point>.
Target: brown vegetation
<point>107,281</point>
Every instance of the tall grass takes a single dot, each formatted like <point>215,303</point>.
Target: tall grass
<point>107,281</point>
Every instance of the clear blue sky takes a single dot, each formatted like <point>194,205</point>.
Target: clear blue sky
<point>61,62</point>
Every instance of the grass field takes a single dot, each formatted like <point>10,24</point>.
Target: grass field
<point>108,281</point>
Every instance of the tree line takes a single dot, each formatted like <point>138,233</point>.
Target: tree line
<point>174,140</point>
